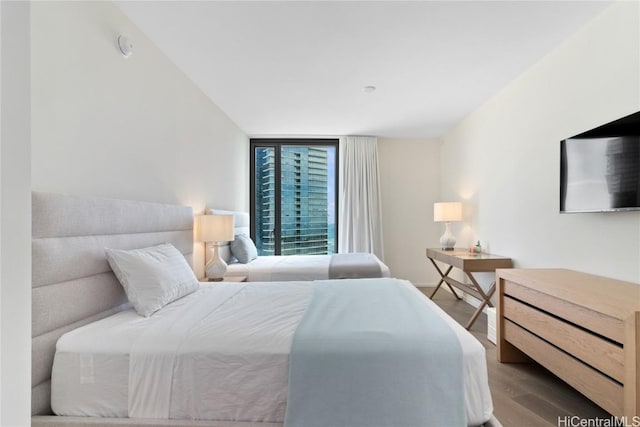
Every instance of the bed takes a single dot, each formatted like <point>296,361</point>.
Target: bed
<point>297,267</point>
<point>269,268</point>
<point>84,299</point>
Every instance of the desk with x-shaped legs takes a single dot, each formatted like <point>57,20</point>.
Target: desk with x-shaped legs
<point>469,263</point>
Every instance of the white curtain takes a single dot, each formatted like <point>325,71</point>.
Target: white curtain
<point>360,206</point>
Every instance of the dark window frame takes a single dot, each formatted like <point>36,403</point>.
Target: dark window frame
<point>277,144</point>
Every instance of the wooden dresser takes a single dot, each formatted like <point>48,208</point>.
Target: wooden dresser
<point>583,328</point>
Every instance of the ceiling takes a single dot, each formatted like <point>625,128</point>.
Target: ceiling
<point>299,67</point>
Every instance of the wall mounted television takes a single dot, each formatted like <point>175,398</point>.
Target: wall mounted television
<point>600,168</point>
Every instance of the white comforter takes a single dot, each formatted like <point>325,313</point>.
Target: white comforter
<point>220,353</point>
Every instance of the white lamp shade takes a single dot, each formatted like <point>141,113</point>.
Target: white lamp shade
<point>214,228</point>
<point>447,211</point>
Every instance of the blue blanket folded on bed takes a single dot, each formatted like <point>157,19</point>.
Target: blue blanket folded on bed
<point>370,353</point>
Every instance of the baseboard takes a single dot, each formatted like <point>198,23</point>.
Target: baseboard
<point>473,302</point>
<point>424,285</point>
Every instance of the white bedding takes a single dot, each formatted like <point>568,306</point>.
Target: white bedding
<point>275,268</point>
<point>232,364</point>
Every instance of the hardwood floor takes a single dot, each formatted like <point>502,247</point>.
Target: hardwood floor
<point>523,394</point>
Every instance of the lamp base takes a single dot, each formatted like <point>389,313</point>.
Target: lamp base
<point>448,240</point>
<point>216,267</point>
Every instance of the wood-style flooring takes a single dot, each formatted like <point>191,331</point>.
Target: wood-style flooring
<point>523,394</point>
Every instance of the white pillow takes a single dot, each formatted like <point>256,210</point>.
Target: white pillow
<point>243,248</point>
<point>152,277</point>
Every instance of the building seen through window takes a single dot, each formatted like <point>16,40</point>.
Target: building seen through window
<point>294,196</point>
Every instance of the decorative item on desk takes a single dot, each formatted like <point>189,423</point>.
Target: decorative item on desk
<point>216,229</point>
<point>447,212</point>
<point>476,249</point>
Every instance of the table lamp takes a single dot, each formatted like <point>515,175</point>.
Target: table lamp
<point>215,229</point>
<point>447,212</point>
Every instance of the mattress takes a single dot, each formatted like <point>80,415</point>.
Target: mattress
<point>241,359</point>
<point>271,268</point>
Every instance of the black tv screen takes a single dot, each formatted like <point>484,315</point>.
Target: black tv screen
<point>600,169</point>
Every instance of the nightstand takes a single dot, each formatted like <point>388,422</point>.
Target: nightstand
<point>235,279</point>
<point>226,279</point>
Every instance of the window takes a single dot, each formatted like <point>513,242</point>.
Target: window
<point>294,196</point>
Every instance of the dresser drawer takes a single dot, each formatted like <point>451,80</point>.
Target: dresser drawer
<point>594,350</point>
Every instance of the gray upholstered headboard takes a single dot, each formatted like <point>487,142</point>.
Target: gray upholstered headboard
<point>240,219</point>
<point>71,279</point>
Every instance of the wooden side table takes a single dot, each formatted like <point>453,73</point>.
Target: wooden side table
<point>469,263</point>
<point>234,279</point>
<point>225,279</point>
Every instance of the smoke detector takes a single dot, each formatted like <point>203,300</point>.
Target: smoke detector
<point>125,45</point>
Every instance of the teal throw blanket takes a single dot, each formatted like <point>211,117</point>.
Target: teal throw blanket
<point>370,353</point>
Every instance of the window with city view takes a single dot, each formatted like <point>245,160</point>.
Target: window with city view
<point>293,196</point>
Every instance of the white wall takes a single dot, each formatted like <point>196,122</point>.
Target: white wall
<point>132,128</point>
<point>15,217</point>
<point>503,159</point>
<point>410,184</point>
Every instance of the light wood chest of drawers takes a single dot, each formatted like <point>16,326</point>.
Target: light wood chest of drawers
<point>583,328</point>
